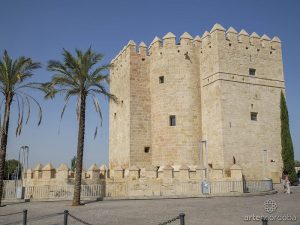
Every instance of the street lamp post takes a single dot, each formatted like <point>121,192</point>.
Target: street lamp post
<point>23,160</point>
<point>204,184</point>
<point>204,143</point>
<point>265,163</point>
<point>22,165</point>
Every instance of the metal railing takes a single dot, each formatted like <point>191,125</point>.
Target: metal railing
<point>122,189</point>
<point>181,218</point>
<point>252,186</point>
<point>226,187</point>
<point>9,188</point>
<point>66,215</point>
<point>64,192</point>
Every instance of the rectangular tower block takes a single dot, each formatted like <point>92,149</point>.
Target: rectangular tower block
<point>222,89</point>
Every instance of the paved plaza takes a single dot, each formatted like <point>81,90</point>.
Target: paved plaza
<point>199,211</point>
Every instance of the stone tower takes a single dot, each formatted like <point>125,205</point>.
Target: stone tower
<point>210,101</point>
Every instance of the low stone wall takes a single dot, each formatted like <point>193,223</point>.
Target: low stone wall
<point>137,182</point>
<point>157,187</point>
<point>169,181</point>
<point>141,188</point>
<point>49,176</point>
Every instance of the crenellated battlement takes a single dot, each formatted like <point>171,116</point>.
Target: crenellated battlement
<point>218,35</point>
<point>234,38</point>
<point>169,42</point>
<point>48,175</point>
<point>129,50</point>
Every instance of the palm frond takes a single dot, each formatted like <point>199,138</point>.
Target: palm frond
<point>65,105</point>
<point>19,115</point>
<point>96,132</point>
<point>40,112</point>
<point>99,89</point>
<point>97,107</point>
<point>29,109</point>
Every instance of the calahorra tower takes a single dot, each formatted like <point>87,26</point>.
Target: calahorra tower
<point>210,101</point>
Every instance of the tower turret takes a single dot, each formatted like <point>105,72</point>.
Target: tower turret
<point>243,37</point>
<point>185,39</point>
<point>169,40</point>
<point>255,39</point>
<point>231,34</point>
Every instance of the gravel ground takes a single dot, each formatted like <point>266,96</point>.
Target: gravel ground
<point>199,211</point>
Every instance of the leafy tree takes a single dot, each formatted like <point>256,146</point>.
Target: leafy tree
<point>79,75</point>
<point>297,163</point>
<point>11,168</point>
<point>14,75</point>
<point>73,163</point>
<point>287,151</point>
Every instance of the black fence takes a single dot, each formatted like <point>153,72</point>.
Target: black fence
<point>180,218</point>
<point>66,215</point>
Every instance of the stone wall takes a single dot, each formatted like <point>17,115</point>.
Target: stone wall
<point>140,110</point>
<point>119,119</point>
<point>178,95</point>
<point>234,93</point>
<point>137,182</point>
<point>207,85</point>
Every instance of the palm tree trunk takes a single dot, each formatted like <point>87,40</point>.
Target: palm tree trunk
<point>80,147</point>
<point>4,136</point>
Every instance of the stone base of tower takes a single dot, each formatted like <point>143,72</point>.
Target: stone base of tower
<point>177,181</point>
<point>147,182</point>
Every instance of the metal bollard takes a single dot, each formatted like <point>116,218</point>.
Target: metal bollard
<point>66,213</point>
<point>25,217</point>
<point>181,217</point>
<point>264,221</point>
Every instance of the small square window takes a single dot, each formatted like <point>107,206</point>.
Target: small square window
<point>172,120</point>
<point>161,79</point>
<point>254,116</point>
<point>147,149</point>
<point>252,71</point>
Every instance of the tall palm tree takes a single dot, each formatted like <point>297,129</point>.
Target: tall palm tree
<point>14,75</point>
<point>79,75</point>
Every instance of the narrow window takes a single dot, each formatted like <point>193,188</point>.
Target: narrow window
<point>254,116</point>
<point>161,79</point>
<point>147,149</point>
<point>172,120</point>
<point>252,71</point>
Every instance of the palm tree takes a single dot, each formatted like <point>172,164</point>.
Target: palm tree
<point>14,75</point>
<point>79,75</point>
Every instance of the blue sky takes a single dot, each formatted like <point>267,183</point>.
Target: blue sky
<point>40,29</point>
